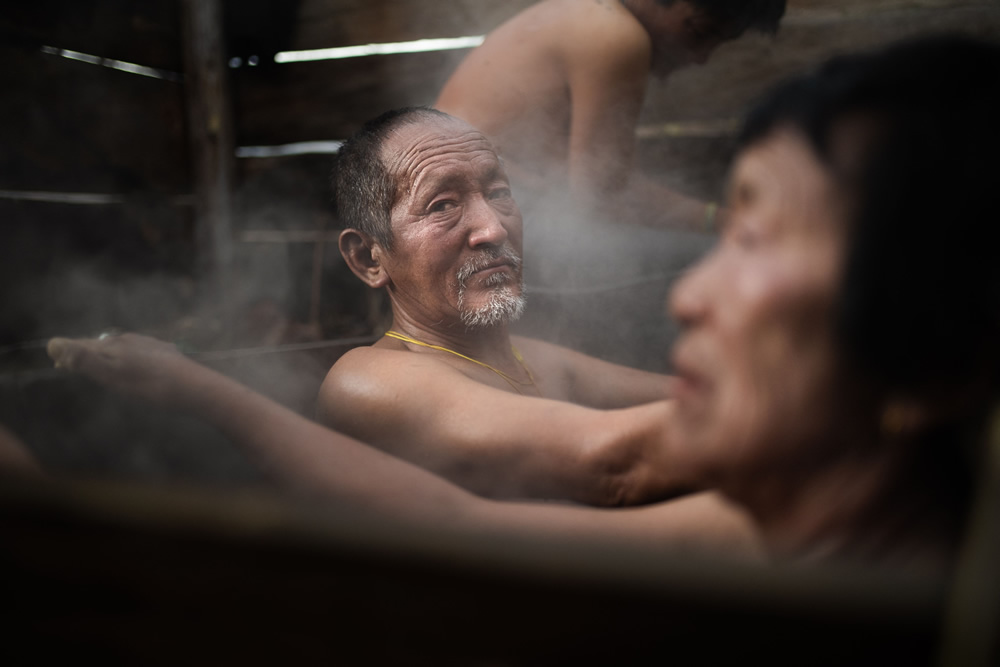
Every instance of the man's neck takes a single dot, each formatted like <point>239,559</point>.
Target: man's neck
<point>491,345</point>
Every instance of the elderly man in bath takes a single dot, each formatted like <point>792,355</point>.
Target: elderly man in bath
<point>430,218</point>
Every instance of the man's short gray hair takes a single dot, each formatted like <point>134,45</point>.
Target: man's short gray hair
<point>363,189</point>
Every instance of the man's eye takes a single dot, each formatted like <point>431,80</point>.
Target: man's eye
<point>500,193</point>
<point>442,206</point>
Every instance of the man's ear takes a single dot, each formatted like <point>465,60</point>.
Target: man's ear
<point>363,255</point>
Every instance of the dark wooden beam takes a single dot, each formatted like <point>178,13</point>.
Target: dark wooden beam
<point>211,133</point>
<point>162,577</point>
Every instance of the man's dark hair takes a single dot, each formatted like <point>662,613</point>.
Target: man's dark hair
<point>363,189</point>
<point>738,16</point>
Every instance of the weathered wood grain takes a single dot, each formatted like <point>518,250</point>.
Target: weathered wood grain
<point>74,127</point>
<point>210,133</point>
<point>146,32</point>
<point>328,23</point>
<point>739,71</point>
<point>331,99</point>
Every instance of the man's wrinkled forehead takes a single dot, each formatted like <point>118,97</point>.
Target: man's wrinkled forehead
<point>416,148</point>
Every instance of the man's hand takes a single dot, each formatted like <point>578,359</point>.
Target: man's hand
<point>128,363</point>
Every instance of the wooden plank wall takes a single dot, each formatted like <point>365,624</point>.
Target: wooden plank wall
<point>71,127</point>
<point>688,120</point>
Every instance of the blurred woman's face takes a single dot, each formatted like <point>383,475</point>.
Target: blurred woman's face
<point>758,379</point>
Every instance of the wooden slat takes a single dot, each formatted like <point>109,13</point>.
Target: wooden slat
<point>330,99</point>
<point>868,6</point>
<point>146,32</point>
<point>210,133</point>
<point>328,23</point>
<point>740,70</point>
<point>677,145</point>
<point>75,127</point>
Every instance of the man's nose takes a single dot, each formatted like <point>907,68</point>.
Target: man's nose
<point>487,225</point>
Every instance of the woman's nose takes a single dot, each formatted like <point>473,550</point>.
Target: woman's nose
<point>687,302</point>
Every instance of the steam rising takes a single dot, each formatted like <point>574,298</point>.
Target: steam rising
<point>601,286</point>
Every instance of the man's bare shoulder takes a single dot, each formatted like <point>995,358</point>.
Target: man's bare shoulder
<point>611,14</point>
<point>570,23</point>
<point>606,21</point>
<point>367,369</point>
<point>367,379</point>
<point>598,42</point>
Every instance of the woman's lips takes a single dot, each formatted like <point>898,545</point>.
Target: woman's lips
<point>684,387</point>
<point>687,381</point>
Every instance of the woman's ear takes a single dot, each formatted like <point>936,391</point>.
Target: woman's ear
<point>363,256</point>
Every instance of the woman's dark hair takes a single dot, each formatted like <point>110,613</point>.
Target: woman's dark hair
<point>919,303</point>
<point>920,299</point>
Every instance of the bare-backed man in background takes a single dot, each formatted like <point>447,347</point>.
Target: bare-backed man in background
<point>559,88</point>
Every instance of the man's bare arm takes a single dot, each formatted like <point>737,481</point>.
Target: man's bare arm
<point>695,524</point>
<point>607,56</point>
<point>295,450</point>
<point>593,382</point>
<point>305,454</point>
<point>498,443</point>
